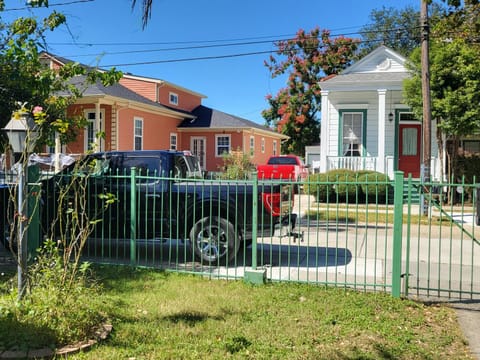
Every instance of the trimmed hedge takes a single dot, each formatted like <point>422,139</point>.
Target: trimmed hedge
<point>343,185</point>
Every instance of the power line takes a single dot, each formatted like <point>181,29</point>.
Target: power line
<point>213,57</point>
<point>220,46</point>
<point>49,5</point>
<point>191,59</point>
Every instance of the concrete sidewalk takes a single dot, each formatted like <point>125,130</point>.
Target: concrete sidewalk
<point>468,314</point>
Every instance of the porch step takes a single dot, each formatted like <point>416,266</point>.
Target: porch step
<point>415,192</point>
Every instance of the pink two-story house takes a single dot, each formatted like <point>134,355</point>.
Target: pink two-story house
<point>142,113</point>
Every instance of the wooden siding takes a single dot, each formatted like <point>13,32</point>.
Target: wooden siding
<point>186,100</point>
<point>146,89</point>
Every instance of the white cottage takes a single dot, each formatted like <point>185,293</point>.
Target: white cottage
<point>365,124</point>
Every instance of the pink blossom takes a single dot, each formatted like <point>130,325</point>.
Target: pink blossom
<point>37,109</point>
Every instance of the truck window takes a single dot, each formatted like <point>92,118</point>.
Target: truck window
<point>145,166</point>
<point>180,168</point>
<point>92,167</point>
<point>282,161</point>
<point>187,167</point>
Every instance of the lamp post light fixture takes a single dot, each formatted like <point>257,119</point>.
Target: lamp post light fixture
<point>22,136</point>
<point>21,132</point>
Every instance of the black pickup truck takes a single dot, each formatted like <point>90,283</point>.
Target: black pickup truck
<point>161,194</point>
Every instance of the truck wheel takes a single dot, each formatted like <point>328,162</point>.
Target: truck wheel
<point>214,240</point>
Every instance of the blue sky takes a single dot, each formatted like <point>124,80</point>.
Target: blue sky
<point>108,32</point>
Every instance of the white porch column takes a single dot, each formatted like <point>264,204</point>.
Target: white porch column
<point>381,130</point>
<point>98,128</point>
<point>324,131</point>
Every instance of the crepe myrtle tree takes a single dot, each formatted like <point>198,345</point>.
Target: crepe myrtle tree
<point>29,88</point>
<point>305,60</point>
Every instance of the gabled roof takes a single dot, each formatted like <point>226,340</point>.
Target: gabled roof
<point>382,59</point>
<point>120,93</point>
<point>62,61</point>
<point>208,118</point>
<point>382,68</point>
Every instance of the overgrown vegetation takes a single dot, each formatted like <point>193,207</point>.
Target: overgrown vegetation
<point>170,316</point>
<point>62,305</point>
<point>236,165</point>
<point>60,298</point>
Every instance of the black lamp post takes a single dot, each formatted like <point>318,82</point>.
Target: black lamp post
<point>22,137</point>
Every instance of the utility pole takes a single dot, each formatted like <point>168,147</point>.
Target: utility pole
<point>427,114</point>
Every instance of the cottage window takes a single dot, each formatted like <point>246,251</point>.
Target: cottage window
<point>138,134</point>
<point>173,98</point>
<point>222,144</point>
<point>252,145</point>
<point>274,147</point>
<point>352,134</point>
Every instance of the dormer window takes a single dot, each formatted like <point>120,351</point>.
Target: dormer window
<point>173,98</point>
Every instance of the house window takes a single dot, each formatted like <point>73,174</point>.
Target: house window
<point>222,144</point>
<point>252,145</point>
<point>173,98</point>
<point>471,147</point>
<point>407,116</point>
<point>274,147</point>
<point>173,141</point>
<point>352,134</point>
<point>263,145</point>
<point>138,134</point>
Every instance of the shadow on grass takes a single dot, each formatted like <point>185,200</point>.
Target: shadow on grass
<point>16,336</point>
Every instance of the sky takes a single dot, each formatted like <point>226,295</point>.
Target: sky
<point>201,45</point>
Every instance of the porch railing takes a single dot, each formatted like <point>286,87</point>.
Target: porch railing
<point>385,165</point>
<point>352,162</point>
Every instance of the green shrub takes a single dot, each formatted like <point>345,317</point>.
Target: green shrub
<point>348,185</point>
<point>319,186</point>
<point>345,185</point>
<point>375,186</point>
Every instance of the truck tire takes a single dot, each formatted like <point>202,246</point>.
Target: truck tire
<point>214,240</point>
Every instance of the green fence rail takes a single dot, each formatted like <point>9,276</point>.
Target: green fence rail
<point>355,230</point>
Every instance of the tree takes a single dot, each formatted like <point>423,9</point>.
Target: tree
<point>454,78</point>
<point>398,29</point>
<point>309,57</point>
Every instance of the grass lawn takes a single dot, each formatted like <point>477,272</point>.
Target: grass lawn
<point>157,315</point>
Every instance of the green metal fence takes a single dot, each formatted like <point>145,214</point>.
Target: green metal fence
<point>361,231</point>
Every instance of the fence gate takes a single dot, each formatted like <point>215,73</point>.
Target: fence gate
<point>442,252</point>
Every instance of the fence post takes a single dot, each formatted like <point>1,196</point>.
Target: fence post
<point>397,234</point>
<point>255,276</point>
<point>133,216</point>
<point>254,220</point>
<point>33,203</point>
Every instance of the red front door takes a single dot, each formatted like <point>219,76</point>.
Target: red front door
<point>409,149</point>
